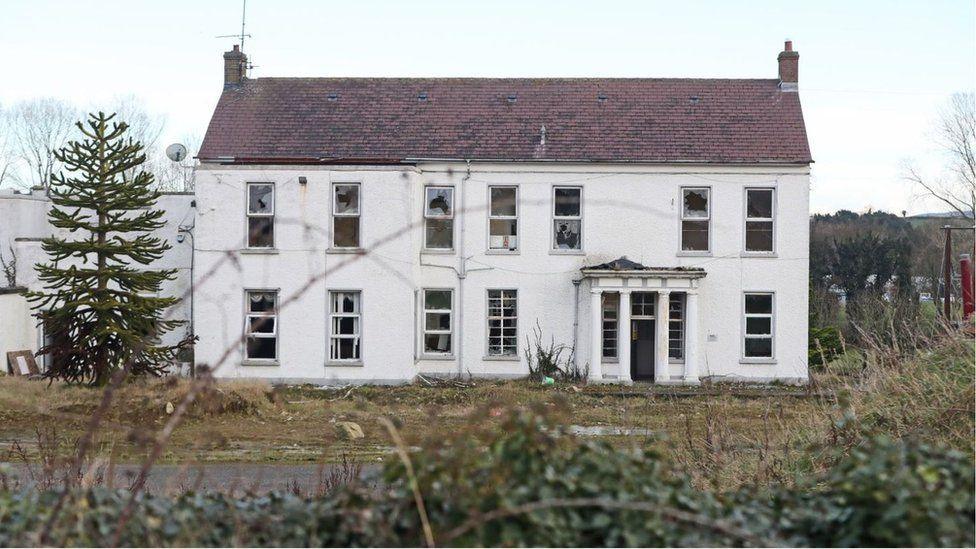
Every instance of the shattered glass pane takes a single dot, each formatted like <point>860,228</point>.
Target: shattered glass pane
<point>440,201</point>
<point>503,201</point>
<point>345,232</point>
<point>437,343</point>
<point>261,325</point>
<point>260,199</point>
<point>261,347</point>
<point>347,199</point>
<point>695,203</point>
<point>440,234</point>
<point>694,236</point>
<point>567,234</point>
<point>567,202</point>
<point>759,203</point>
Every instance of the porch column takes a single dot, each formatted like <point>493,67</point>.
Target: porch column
<point>596,335</point>
<point>691,338</point>
<point>624,337</point>
<point>661,367</point>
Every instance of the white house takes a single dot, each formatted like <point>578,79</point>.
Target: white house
<point>373,229</point>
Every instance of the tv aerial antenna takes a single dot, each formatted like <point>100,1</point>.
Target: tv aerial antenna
<point>243,34</point>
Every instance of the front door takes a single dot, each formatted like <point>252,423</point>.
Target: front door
<point>642,349</point>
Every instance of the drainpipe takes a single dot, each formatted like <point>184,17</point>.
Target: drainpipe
<point>462,271</point>
<point>189,232</point>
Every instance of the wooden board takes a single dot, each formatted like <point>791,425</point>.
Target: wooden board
<point>21,363</point>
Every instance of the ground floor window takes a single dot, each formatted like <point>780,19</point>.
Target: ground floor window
<point>676,327</point>
<point>261,325</point>
<point>438,312</point>
<point>611,305</point>
<point>502,322</point>
<point>345,326</point>
<point>758,333</point>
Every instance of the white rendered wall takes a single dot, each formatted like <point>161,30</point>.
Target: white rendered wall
<point>628,210</point>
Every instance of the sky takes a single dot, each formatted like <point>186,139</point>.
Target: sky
<point>873,74</point>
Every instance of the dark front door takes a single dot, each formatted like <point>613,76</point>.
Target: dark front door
<point>642,349</point>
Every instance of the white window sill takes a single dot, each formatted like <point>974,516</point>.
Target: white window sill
<point>258,251</point>
<point>502,358</point>
<point>437,251</point>
<point>676,361</point>
<point>444,358</point>
<point>757,360</point>
<point>345,251</point>
<point>259,362</point>
<point>609,360</point>
<point>693,253</point>
<point>341,363</point>
<point>501,252</point>
<point>567,252</point>
<point>759,254</point>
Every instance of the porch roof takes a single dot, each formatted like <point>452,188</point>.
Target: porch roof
<point>623,267</point>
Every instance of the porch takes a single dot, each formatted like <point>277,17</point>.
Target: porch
<point>645,321</point>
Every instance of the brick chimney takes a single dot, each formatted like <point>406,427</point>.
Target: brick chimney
<point>235,66</point>
<point>789,67</point>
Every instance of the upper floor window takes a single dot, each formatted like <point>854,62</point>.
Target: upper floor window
<point>346,215</point>
<point>503,218</point>
<point>758,336</point>
<point>438,312</point>
<point>759,220</point>
<point>439,218</point>
<point>567,215</point>
<point>260,215</point>
<point>345,326</point>
<point>695,219</point>
<point>261,325</point>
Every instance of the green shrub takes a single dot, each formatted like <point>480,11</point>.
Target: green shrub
<point>527,483</point>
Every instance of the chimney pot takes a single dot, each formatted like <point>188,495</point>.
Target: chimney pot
<point>789,68</point>
<point>235,67</point>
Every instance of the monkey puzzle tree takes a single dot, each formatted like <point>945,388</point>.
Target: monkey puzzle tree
<point>99,307</point>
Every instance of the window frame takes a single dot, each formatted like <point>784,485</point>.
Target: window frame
<point>488,318</point>
<point>682,219</point>
<point>681,297</point>
<point>553,218</point>
<point>275,334</point>
<point>516,217</point>
<point>451,217</point>
<point>771,359</point>
<point>358,215</point>
<point>616,327</point>
<point>424,331</point>
<point>329,361</point>
<point>248,215</point>
<point>772,220</point>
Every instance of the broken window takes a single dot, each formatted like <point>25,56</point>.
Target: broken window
<point>503,218</point>
<point>759,220</point>
<point>260,215</point>
<point>261,325</point>
<point>758,340</point>
<point>439,218</point>
<point>695,219</point>
<point>676,326</point>
<point>611,303</point>
<point>567,213</point>
<point>502,322</point>
<point>345,321</point>
<point>437,321</point>
<point>642,304</point>
<point>345,215</point>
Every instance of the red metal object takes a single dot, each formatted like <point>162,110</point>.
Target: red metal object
<point>966,272</point>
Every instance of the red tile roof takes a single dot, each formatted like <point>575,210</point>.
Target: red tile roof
<point>382,120</point>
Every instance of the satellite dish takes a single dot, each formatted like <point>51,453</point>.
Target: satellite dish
<point>176,152</point>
